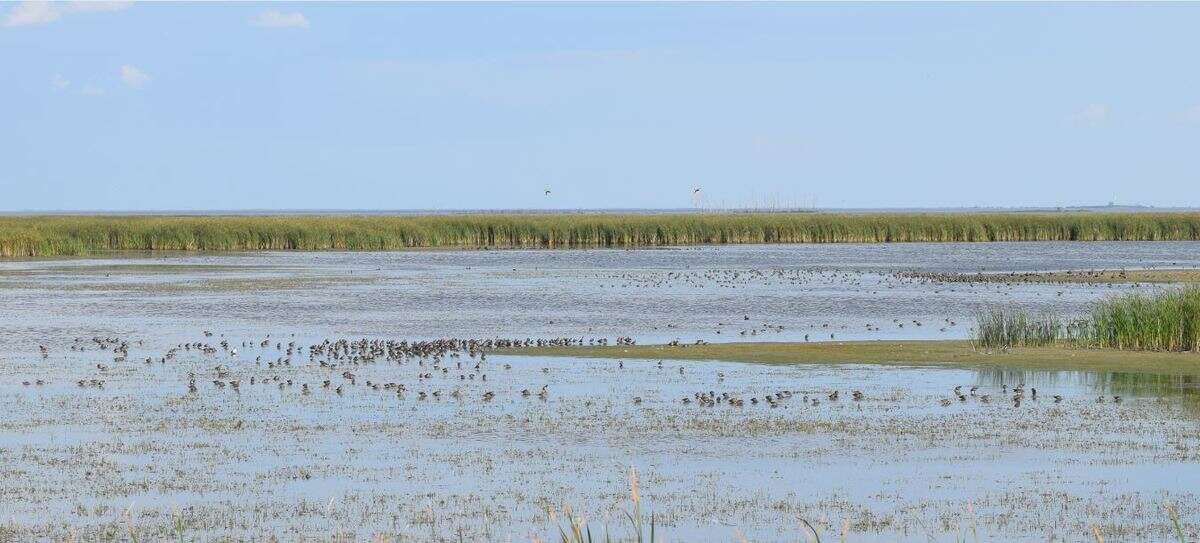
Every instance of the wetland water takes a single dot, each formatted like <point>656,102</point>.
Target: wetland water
<point>141,454</point>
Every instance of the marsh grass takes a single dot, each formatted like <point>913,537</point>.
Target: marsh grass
<point>1163,321</point>
<point>1167,321</point>
<point>1007,327</point>
<point>34,236</point>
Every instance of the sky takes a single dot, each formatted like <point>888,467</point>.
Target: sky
<point>175,106</point>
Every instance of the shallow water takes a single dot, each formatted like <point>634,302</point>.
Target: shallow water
<point>897,465</point>
<point>654,295</point>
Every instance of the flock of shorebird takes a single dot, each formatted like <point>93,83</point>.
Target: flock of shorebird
<point>725,278</point>
<point>865,278</point>
<point>442,358</point>
<point>1018,395</point>
<point>1088,277</point>
<point>774,399</point>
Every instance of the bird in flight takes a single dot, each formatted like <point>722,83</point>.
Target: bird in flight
<point>547,191</point>
<point>697,189</point>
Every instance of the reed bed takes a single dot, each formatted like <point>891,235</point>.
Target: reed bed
<point>62,235</point>
<point>1163,321</point>
<point>1005,327</point>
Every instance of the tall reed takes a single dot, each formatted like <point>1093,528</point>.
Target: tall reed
<point>57,235</point>
<point>1163,321</point>
<point>1168,320</point>
<point>1005,327</point>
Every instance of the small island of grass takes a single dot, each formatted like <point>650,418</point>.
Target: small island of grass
<point>961,354</point>
<point>1146,333</point>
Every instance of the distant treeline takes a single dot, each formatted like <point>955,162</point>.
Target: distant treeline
<point>56,235</point>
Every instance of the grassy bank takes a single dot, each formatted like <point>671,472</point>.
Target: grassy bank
<point>908,353</point>
<point>28,236</point>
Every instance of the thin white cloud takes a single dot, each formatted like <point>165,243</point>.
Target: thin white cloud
<point>134,77</point>
<point>36,12</point>
<point>31,13</point>
<point>277,19</point>
<point>1192,115</point>
<point>59,82</point>
<point>91,90</point>
<point>1092,114</point>
<point>96,7</point>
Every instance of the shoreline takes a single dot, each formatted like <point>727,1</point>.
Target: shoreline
<point>921,353</point>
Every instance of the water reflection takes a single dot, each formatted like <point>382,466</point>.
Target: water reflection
<point>1128,384</point>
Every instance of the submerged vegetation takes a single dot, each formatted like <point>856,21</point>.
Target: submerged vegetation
<point>30,236</point>
<point>1164,321</point>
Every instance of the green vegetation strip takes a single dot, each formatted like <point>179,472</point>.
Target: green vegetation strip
<point>959,354</point>
<point>32,236</point>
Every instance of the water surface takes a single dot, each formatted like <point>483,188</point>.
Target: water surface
<point>897,465</point>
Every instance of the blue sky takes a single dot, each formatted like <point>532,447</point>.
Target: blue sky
<point>407,106</point>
